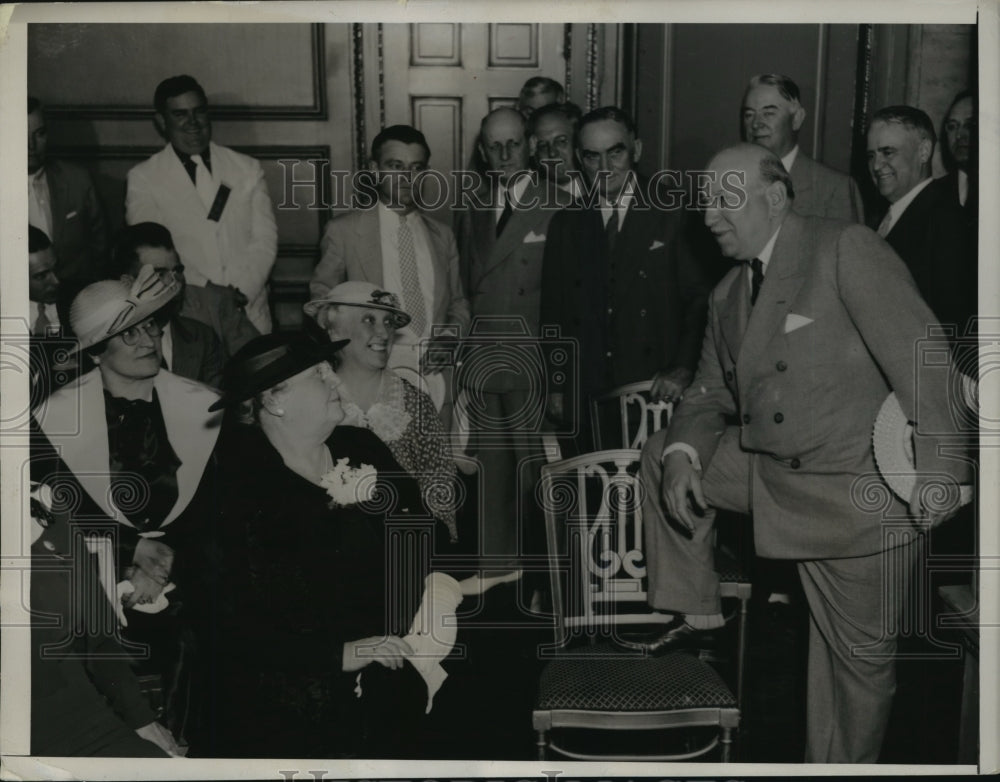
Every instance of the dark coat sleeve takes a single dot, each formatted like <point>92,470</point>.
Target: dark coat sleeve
<point>692,297</point>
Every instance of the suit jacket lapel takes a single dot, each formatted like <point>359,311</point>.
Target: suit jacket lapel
<point>484,236</point>
<point>74,421</point>
<point>369,247</point>
<point>801,174</point>
<point>781,284</point>
<point>82,442</point>
<point>735,313</point>
<point>191,430</point>
<point>177,182</point>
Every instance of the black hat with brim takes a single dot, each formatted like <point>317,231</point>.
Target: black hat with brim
<point>267,360</point>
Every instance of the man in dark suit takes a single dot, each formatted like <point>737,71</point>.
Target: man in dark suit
<point>958,152</point>
<point>551,134</point>
<point>52,365</point>
<point>191,348</point>
<point>63,203</point>
<point>501,234</point>
<point>383,243</point>
<point>923,223</point>
<point>615,280</point>
<point>805,339</point>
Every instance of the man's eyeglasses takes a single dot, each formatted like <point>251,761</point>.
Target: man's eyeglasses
<point>131,335</point>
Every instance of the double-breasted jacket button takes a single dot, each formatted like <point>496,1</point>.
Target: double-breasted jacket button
<point>608,354</point>
<point>642,313</point>
<point>781,366</point>
<point>611,310</point>
<point>795,464</point>
<point>520,291</point>
<point>778,418</point>
<point>746,418</point>
<point>642,273</point>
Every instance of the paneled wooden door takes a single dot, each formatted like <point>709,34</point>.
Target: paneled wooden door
<point>444,77</point>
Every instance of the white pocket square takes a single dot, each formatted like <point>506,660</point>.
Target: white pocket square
<point>793,321</point>
<point>532,237</point>
<point>71,215</point>
<point>656,245</point>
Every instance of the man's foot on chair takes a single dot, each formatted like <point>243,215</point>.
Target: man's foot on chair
<point>677,636</point>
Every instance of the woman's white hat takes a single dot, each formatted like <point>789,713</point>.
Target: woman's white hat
<point>356,293</point>
<point>109,307</point>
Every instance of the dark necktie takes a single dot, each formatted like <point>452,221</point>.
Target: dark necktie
<point>611,230</point>
<point>756,279</point>
<point>42,322</point>
<point>508,210</point>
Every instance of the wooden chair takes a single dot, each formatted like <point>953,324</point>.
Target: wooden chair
<point>594,531</point>
<point>639,418</point>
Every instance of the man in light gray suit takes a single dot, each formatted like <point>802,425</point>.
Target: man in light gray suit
<point>772,116</point>
<point>502,233</point>
<point>805,339</point>
<point>396,247</point>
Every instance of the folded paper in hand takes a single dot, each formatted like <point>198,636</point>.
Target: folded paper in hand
<point>432,634</point>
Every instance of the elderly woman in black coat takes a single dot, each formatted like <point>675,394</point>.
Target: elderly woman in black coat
<point>324,547</point>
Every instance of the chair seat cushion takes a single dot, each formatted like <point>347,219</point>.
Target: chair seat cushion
<point>603,678</point>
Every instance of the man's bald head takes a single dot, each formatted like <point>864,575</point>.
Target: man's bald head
<point>749,195</point>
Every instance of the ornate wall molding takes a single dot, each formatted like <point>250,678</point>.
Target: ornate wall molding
<point>358,90</point>
<point>317,109</point>
<point>568,57</point>
<point>593,78</point>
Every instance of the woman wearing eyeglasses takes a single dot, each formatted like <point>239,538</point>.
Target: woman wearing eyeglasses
<point>127,450</point>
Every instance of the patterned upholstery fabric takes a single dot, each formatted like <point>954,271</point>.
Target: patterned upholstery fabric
<point>601,678</point>
<point>728,568</point>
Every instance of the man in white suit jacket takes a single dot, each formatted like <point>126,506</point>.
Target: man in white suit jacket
<point>214,201</point>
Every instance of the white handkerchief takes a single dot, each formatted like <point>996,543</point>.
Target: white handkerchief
<point>656,245</point>
<point>532,237</point>
<point>793,321</point>
<point>161,602</point>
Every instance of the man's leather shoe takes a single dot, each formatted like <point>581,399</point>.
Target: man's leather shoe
<point>679,635</point>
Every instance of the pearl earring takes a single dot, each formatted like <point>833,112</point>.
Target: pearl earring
<point>279,411</point>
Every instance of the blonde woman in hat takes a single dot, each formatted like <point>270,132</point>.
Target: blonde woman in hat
<point>376,398</point>
<point>130,444</point>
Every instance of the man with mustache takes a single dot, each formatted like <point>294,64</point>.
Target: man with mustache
<point>214,201</point>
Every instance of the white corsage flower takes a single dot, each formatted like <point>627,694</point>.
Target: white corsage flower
<point>348,485</point>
